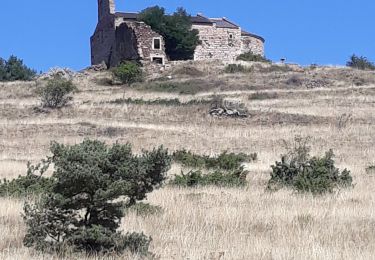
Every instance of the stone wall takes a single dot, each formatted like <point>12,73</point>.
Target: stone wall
<point>102,41</point>
<point>253,44</point>
<point>218,43</point>
<point>145,37</point>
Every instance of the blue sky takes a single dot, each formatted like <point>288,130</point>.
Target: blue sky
<point>48,33</point>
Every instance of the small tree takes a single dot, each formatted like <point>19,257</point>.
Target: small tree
<point>361,63</point>
<point>56,93</point>
<point>128,73</point>
<point>92,183</point>
<point>176,29</point>
<point>14,69</point>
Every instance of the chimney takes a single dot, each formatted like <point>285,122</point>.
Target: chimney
<point>105,8</point>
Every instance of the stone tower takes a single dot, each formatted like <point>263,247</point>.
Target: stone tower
<point>105,8</point>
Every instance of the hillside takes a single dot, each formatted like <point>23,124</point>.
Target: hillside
<point>334,106</point>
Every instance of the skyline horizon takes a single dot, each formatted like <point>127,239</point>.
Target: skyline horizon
<point>65,42</point>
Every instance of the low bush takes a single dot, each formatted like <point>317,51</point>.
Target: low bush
<point>14,69</point>
<point>236,68</point>
<point>263,96</point>
<point>361,63</point>
<point>32,184</point>
<point>299,171</point>
<point>128,73</point>
<point>219,178</point>
<point>225,161</point>
<point>249,56</point>
<point>91,185</point>
<point>56,93</point>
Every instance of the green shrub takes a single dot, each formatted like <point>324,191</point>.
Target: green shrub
<point>361,63</point>
<point>176,29</point>
<point>56,93</point>
<point>299,171</point>
<point>128,73</point>
<point>14,69</point>
<point>225,161</point>
<point>32,184</point>
<point>219,178</point>
<point>236,68</point>
<point>92,184</point>
<point>249,56</point>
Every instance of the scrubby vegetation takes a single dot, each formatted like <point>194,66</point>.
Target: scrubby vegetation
<point>185,87</point>
<point>91,184</point>
<point>303,173</point>
<point>236,68</point>
<point>128,73</point>
<point>34,183</point>
<point>225,160</point>
<point>361,63</point>
<point>56,93</point>
<point>193,178</point>
<point>249,56</point>
<point>223,170</point>
<point>164,102</point>
<point>263,96</point>
<point>180,39</point>
<point>14,69</point>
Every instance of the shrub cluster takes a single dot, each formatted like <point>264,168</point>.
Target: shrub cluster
<point>223,170</point>
<point>225,160</point>
<point>361,63</point>
<point>57,92</point>
<point>91,185</point>
<point>14,69</point>
<point>250,56</point>
<point>221,178</point>
<point>303,173</point>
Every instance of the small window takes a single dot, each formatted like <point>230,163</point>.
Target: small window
<point>158,60</point>
<point>156,44</point>
<point>231,36</point>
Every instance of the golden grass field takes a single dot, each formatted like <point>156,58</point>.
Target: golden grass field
<point>216,223</point>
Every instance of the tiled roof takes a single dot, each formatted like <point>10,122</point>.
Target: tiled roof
<point>224,23</point>
<point>199,19</point>
<point>245,33</point>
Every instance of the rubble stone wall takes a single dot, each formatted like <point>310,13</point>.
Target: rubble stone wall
<point>253,44</point>
<point>218,43</point>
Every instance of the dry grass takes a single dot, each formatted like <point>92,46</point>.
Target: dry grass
<point>216,223</point>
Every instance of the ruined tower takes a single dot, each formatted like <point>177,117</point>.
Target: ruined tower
<point>105,8</point>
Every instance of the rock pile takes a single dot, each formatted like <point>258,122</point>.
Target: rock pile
<point>228,109</point>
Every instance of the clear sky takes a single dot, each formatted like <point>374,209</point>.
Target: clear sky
<point>48,33</point>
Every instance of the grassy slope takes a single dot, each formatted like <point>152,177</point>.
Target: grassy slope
<point>211,223</point>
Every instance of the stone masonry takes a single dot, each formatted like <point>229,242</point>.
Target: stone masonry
<point>120,36</point>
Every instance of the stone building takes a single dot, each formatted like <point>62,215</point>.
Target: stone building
<point>120,36</point>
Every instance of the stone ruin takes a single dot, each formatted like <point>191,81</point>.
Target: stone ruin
<point>121,36</point>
